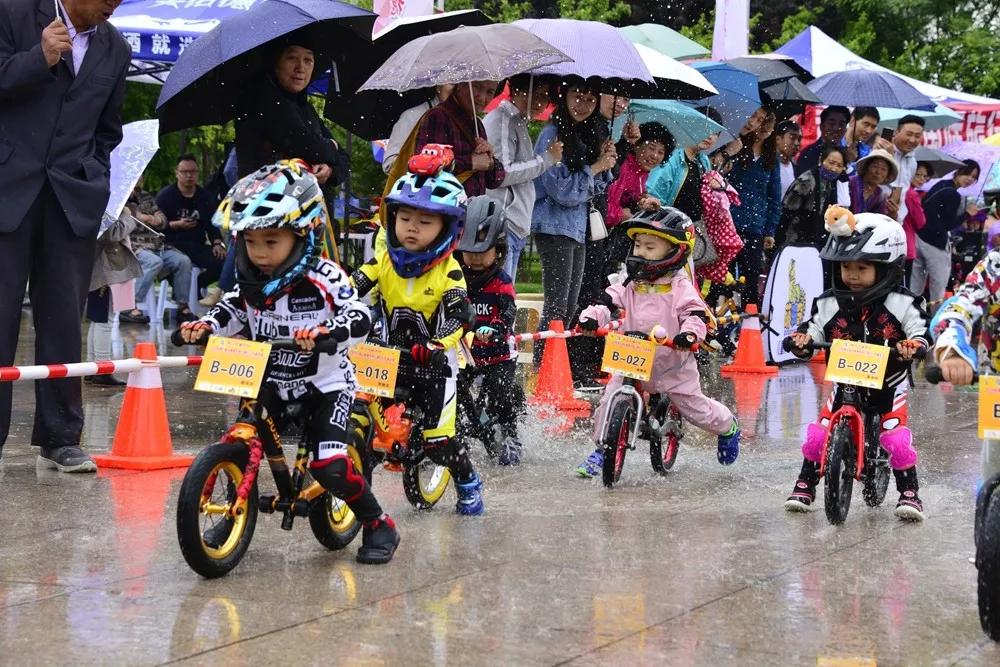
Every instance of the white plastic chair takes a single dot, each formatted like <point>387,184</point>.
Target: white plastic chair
<point>163,304</point>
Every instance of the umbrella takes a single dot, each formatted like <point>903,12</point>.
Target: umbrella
<point>596,51</point>
<point>673,79</point>
<point>985,155</point>
<point>372,114</point>
<point>665,40</point>
<point>941,162</point>
<point>209,77</point>
<point>873,88</point>
<point>481,53</point>
<point>788,98</point>
<point>738,95</point>
<point>688,126</point>
<point>140,141</point>
<point>940,118</point>
<point>767,70</point>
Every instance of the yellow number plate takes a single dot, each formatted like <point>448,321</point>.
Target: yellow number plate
<point>375,368</point>
<point>627,356</point>
<point>233,367</point>
<point>989,407</point>
<point>856,363</point>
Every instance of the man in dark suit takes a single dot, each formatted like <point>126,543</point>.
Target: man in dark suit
<point>62,83</point>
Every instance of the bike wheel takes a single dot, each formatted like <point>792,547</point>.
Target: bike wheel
<point>840,462</point>
<point>616,436</point>
<point>876,483</point>
<point>988,560</point>
<point>424,482</point>
<point>663,452</point>
<point>206,496</point>
<point>332,522</point>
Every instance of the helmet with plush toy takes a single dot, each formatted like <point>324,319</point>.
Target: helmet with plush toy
<point>865,237</point>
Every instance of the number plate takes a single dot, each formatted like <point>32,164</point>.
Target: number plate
<point>233,366</point>
<point>856,363</point>
<point>375,368</point>
<point>629,357</point>
<point>989,407</point>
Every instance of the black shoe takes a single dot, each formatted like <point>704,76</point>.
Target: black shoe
<point>185,315</point>
<point>217,535</point>
<point>66,459</point>
<point>104,381</point>
<point>379,539</point>
<point>131,317</point>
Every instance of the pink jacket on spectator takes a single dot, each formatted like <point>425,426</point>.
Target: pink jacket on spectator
<point>719,223</point>
<point>627,190</point>
<point>914,221</point>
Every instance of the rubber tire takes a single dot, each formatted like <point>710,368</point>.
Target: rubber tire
<point>622,416</point>
<point>988,564</point>
<point>662,463</point>
<point>189,531</point>
<point>321,522</point>
<point>413,489</point>
<point>876,484</point>
<point>839,474</point>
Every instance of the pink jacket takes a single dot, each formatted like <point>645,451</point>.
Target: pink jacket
<point>914,221</point>
<point>676,310</point>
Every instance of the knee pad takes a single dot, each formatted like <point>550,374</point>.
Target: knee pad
<point>812,448</point>
<point>338,476</point>
<point>899,444</point>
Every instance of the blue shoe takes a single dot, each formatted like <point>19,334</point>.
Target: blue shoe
<point>470,500</point>
<point>510,452</point>
<point>729,445</point>
<point>592,465</point>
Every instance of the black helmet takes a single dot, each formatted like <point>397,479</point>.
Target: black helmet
<point>668,223</point>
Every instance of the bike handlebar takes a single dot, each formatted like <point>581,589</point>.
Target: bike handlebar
<point>932,373</point>
<point>324,344</point>
<point>602,331</point>
<point>788,346</point>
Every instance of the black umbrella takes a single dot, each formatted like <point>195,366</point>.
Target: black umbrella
<point>220,66</point>
<point>370,114</point>
<point>788,98</point>
<point>767,70</point>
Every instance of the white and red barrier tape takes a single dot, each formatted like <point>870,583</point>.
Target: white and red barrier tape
<point>53,371</point>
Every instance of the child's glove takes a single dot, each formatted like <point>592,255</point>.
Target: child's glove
<point>194,333</point>
<point>485,334</point>
<point>685,340</point>
<point>589,325</point>
<point>907,348</point>
<point>425,354</point>
<point>658,334</point>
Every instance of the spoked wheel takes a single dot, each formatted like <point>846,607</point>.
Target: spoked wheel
<point>214,528</point>
<point>840,462</point>
<point>876,482</point>
<point>332,521</point>
<point>663,451</point>
<point>988,557</point>
<point>424,482</point>
<point>617,430</point>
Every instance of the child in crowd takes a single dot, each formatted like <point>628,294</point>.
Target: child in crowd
<point>867,303</point>
<point>421,291</point>
<point>658,297</point>
<point>285,289</point>
<point>491,291</point>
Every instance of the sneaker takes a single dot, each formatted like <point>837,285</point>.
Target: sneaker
<point>217,535</point>
<point>379,539</point>
<point>592,465</point>
<point>66,459</point>
<point>213,295</point>
<point>729,445</point>
<point>909,507</point>
<point>510,452</point>
<point>802,498</point>
<point>470,498</point>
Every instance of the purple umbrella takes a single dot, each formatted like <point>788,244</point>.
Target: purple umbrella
<point>986,156</point>
<point>870,88</point>
<point>597,51</point>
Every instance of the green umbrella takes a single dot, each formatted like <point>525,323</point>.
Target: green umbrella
<point>666,41</point>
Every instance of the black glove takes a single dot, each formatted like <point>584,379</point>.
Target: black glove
<point>685,340</point>
<point>589,325</point>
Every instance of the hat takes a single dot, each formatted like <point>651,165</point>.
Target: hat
<point>862,165</point>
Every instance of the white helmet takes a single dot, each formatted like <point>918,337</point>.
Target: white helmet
<point>865,237</point>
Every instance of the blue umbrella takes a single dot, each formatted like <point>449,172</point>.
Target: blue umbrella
<point>870,88</point>
<point>686,125</point>
<point>598,51</point>
<point>739,94</point>
<point>211,74</point>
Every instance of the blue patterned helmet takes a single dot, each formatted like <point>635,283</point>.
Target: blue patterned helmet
<point>442,193</point>
<point>284,195</point>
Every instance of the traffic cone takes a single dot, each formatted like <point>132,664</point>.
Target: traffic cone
<point>750,349</point>
<point>819,357</point>
<point>555,381</point>
<point>748,390</point>
<point>142,438</point>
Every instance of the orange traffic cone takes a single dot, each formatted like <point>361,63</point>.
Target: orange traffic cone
<point>142,439</point>
<point>750,350</point>
<point>819,357</point>
<point>748,389</point>
<point>555,381</point>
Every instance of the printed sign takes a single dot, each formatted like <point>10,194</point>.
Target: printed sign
<point>233,367</point>
<point>375,368</point>
<point>856,363</point>
<point>628,356</point>
<point>989,407</point>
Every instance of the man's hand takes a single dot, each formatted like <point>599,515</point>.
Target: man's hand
<point>555,151</point>
<point>55,42</point>
<point>322,172</point>
<point>219,250</point>
<point>884,144</point>
<point>956,370</point>
<point>183,223</point>
<point>768,242</point>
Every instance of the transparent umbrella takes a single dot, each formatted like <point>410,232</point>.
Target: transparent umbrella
<point>140,141</point>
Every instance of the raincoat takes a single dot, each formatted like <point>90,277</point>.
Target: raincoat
<point>673,303</point>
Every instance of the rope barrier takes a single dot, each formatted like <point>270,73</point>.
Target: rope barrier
<point>54,371</point>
